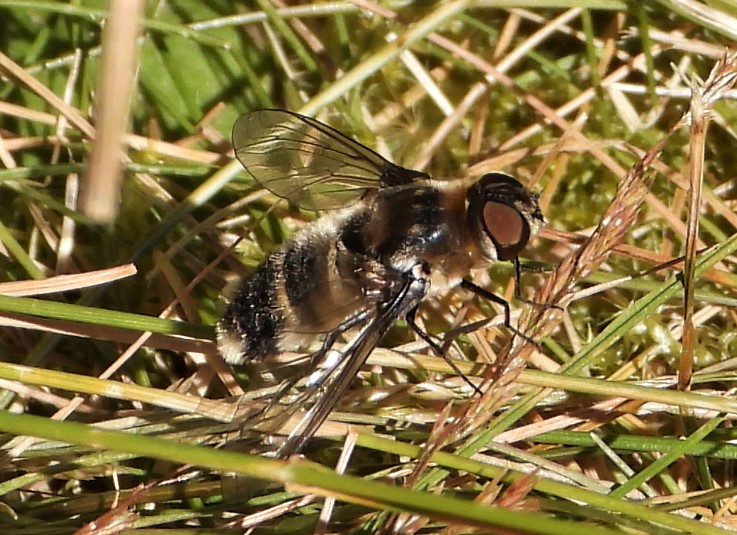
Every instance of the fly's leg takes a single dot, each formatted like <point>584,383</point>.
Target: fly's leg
<point>408,297</point>
<point>410,317</point>
<point>518,293</point>
<point>478,290</point>
<point>318,355</point>
<point>333,336</point>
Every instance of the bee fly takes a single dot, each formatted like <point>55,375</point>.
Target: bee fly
<point>393,237</point>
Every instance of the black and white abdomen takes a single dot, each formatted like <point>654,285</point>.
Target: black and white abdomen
<point>253,317</point>
<point>304,290</point>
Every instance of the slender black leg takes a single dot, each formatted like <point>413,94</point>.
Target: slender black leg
<point>410,317</point>
<point>518,293</point>
<point>478,290</point>
<point>408,297</point>
<point>333,335</point>
<point>317,356</point>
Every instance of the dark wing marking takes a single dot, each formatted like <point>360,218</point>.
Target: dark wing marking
<point>309,163</point>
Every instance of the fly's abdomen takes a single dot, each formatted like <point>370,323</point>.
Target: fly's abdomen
<point>318,293</point>
<point>303,291</point>
<point>254,317</point>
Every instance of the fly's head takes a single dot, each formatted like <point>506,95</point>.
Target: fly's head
<point>503,215</point>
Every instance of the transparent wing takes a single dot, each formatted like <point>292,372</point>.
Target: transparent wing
<point>353,358</point>
<point>309,163</point>
<point>328,374</point>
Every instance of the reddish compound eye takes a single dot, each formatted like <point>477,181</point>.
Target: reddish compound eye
<point>507,229</point>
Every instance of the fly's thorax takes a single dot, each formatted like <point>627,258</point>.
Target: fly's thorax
<point>503,216</point>
<point>424,221</point>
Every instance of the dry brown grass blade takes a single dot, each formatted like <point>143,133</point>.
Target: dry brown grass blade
<point>720,80</point>
<point>64,283</point>
<point>608,234</point>
<point>101,332</point>
<point>349,445</point>
<point>598,414</point>
<point>657,260</point>
<point>101,188</point>
<point>72,114</point>
<point>448,125</point>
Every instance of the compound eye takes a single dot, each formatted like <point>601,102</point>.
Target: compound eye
<point>507,229</point>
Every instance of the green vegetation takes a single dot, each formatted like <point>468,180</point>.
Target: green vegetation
<point>124,218</point>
